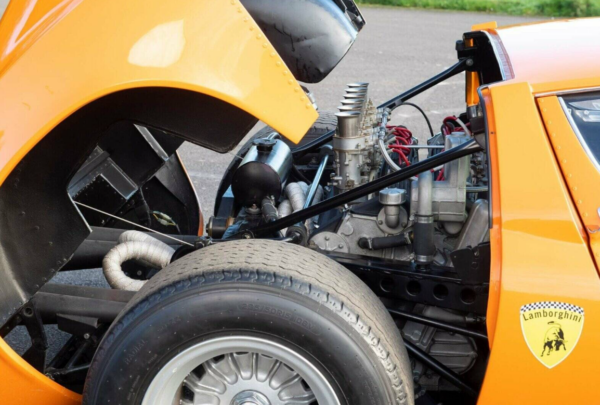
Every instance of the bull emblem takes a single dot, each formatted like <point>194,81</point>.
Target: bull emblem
<point>554,339</point>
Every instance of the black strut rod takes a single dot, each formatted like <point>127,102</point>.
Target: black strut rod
<point>437,324</point>
<point>397,101</point>
<point>464,149</point>
<point>439,368</point>
<point>453,70</point>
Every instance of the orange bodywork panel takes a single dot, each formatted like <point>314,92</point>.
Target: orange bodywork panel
<point>495,234</point>
<point>540,244</point>
<point>581,175</point>
<point>74,52</point>
<point>554,56</point>
<point>57,56</point>
<point>539,254</point>
<point>20,383</point>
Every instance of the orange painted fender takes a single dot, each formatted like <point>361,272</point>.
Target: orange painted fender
<point>57,56</point>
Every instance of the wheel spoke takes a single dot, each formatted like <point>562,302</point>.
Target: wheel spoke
<point>264,367</point>
<point>296,393</point>
<point>222,370</point>
<point>244,361</point>
<point>207,384</point>
<point>281,377</point>
<point>245,378</point>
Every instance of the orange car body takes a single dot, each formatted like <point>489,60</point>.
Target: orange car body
<point>544,204</point>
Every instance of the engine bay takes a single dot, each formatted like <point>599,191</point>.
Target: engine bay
<point>424,220</point>
<point>421,243</point>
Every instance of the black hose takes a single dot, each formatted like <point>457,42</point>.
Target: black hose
<point>422,113</point>
<point>268,210</point>
<point>385,242</point>
<point>423,243</point>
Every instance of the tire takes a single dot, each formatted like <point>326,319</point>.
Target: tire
<point>275,292</point>
<point>326,122</point>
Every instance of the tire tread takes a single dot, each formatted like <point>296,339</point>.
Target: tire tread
<point>283,266</point>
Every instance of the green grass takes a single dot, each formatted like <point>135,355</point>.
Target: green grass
<point>548,8</point>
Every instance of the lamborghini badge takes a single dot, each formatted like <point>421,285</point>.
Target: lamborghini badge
<point>551,330</point>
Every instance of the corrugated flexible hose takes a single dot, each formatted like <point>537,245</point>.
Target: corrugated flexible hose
<point>134,245</point>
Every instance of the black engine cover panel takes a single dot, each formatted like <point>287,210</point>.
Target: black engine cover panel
<point>312,36</point>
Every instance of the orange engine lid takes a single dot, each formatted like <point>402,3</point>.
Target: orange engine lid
<point>554,56</point>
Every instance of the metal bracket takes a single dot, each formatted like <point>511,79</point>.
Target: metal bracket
<point>36,354</point>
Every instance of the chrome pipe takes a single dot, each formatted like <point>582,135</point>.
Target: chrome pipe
<point>358,85</point>
<point>360,90</point>
<point>346,108</point>
<point>360,97</point>
<point>352,102</point>
<point>348,124</point>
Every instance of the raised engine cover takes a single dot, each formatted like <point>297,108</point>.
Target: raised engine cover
<point>311,36</point>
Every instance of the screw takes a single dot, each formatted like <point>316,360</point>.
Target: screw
<point>86,336</point>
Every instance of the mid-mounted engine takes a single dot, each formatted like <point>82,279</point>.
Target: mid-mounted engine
<point>422,220</point>
<point>421,239</point>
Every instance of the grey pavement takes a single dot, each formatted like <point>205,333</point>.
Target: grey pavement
<point>397,49</point>
<point>3,4</point>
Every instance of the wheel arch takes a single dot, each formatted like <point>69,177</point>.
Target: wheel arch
<point>90,50</point>
<point>201,70</point>
<point>41,227</point>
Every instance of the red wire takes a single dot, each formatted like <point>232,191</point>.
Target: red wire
<point>403,137</point>
<point>440,175</point>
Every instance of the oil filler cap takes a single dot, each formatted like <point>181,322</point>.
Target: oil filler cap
<point>264,144</point>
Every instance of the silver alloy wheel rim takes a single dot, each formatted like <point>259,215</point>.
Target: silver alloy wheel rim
<point>240,370</point>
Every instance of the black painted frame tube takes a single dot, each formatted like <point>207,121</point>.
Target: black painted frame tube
<point>437,324</point>
<point>453,70</point>
<point>439,368</point>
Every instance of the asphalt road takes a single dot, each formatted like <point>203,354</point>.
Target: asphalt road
<point>398,48</point>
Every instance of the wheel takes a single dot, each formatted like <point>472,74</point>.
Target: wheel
<point>326,122</point>
<point>252,323</point>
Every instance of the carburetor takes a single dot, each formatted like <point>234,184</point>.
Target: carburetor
<point>356,159</point>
